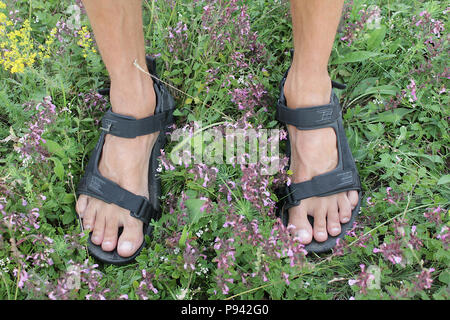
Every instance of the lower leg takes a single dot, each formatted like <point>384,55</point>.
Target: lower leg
<point>118,30</point>
<point>314,25</point>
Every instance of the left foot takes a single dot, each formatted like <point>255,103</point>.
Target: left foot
<point>125,162</point>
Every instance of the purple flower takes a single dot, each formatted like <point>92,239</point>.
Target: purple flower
<point>414,241</point>
<point>87,275</point>
<point>444,236</point>
<point>369,16</point>
<point>363,279</point>
<point>23,277</point>
<point>146,285</point>
<point>424,280</point>
<point>285,277</point>
<point>177,40</point>
<point>434,215</point>
<point>31,144</point>
<point>412,87</point>
<point>391,252</point>
<point>190,257</point>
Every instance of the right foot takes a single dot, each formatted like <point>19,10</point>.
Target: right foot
<point>126,162</point>
<point>314,152</point>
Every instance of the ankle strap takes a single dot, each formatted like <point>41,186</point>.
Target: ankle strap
<point>310,117</point>
<point>129,127</point>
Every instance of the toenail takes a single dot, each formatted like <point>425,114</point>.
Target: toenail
<point>126,246</point>
<point>303,235</point>
<point>88,227</point>
<point>345,219</point>
<point>335,230</point>
<point>321,234</point>
<point>95,238</point>
<point>107,243</point>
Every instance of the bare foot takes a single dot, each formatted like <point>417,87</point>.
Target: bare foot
<point>314,152</point>
<point>124,161</point>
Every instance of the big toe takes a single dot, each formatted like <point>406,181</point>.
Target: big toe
<point>298,217</point>
<point>131,238</point>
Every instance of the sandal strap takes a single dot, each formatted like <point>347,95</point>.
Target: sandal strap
<point>310,117</point>
<point>129,127</point>
<point>322,185</point>
<point>110,192</point>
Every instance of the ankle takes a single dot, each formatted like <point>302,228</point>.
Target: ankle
<point>133,95</point>
<point>306,88</point>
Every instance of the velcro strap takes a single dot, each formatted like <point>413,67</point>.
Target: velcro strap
<point>129,127</point>
<point>321,185</point>
<point>310,117</point>
<point>110,192</point>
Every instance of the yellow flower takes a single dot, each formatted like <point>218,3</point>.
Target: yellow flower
<point>19,48</point>
<point>3,18</point>
<point>85,41</point>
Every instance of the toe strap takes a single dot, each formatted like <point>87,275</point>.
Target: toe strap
<point>322,185</point>
<point>94,184</point>
<point>108,191</point>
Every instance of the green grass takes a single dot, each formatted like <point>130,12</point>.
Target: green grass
<point>396,116</point>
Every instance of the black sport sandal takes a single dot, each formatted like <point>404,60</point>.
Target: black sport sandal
<point>343,178</point>
<point>95,185</point>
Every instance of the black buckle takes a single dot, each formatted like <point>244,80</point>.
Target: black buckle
<point>108,125</point>
<point>144,211</point>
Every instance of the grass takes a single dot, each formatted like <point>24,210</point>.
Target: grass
<point>392,56</point>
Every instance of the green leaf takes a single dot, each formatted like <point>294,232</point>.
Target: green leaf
<point>183,237</point>
<point>68,198</point>
<point>376,37</point>
<point>193,206</point>
<point>177,81</point>
<point>432,158</point>
<point>444,179</point>
<point>355,56</point>
<point>385,89</point>
<point>393,116</point>
<point>362,87</point>
<point>272,124</point>
<point>58,169</point>
<point>54,148</point>
<point>68,217</point>
<point>177,113</point>
<point>444,277</point>
<point>187,71</point>
<point>191,193</point>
